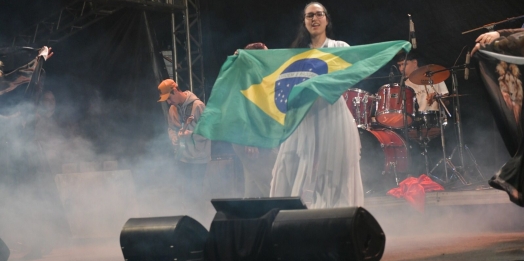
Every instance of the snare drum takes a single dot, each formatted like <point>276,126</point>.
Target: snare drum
<point>427,119</point>
<point>360,103</point>
<point>426,125</point>
<point>389,106</point>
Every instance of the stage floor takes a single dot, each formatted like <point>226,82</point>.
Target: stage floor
<point>480,246</point>
<point>455,225</point>
<point>483,195</point>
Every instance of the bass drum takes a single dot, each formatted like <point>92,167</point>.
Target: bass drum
<point>383,160</point>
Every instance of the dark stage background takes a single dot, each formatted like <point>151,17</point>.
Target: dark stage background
<point>106,92</point>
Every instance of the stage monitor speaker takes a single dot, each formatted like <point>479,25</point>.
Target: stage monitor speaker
<point>4,251</point>
<point>327,234</point>
<point>240,228</point>
<point>163,238</point>
<point>255,207</point>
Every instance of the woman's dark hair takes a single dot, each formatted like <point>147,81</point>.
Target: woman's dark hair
<point>303,39</point>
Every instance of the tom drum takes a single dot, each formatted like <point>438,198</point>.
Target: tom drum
<point>360,103</point>
<point>389,106</point>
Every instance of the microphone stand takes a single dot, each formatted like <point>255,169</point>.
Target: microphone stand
<point>402,85</point>
<point>404,109</point>
<point>492,25</point>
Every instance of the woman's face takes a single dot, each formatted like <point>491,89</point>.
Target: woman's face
<point>315,20</point>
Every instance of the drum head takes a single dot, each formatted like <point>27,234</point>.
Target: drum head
<point>357,90</point>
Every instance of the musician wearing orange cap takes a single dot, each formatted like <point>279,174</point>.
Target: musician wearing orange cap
<point>192,152</point>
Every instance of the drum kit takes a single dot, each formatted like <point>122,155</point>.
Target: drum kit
<point>382,118</point>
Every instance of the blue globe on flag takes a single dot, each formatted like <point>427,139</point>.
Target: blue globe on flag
<point>294,74</point>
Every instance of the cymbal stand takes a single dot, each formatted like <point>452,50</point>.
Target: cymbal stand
<point>447,161</point>
<point>461,146</point>
<point>453,168</point>
<point>423,142</point>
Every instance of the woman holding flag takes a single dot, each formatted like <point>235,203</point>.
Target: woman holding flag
<point>320,160</point>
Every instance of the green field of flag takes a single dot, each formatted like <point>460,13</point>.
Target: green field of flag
<point>260,96</point>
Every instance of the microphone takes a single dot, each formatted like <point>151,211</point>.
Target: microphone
<point>392,74</point>
<point>466,71</point>
<point>412,33</point>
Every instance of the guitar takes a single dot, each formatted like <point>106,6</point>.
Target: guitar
<point>182,142</point>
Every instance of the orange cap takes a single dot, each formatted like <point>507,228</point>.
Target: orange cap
<point>164,88</point>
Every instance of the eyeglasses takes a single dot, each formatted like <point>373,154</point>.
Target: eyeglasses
<point>318,14</point>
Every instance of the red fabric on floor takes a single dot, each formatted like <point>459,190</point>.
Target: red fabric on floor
<point>414,190</point>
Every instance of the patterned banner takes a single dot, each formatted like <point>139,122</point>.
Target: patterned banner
<point>503,81</point>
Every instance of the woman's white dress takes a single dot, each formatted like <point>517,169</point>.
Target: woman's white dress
<point>320,160</point>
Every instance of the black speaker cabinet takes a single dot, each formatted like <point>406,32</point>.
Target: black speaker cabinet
<point>4,251</point>
<point>255,207</point>
<point>327,234</point>
<point>163,238</point>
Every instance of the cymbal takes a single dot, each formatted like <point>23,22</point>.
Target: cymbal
<point>422,74</point>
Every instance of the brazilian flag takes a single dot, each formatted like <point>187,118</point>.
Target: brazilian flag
<point>260,96</point>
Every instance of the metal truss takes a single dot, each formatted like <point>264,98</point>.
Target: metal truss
<point>187,34</point>
<point>71,19</point>
<point>80,14</point>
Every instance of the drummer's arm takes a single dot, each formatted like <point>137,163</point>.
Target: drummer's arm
<point>446,101</point>
<point>431,98</point>
<point>444,91</point>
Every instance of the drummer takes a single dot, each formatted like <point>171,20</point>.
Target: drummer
<point>424,93</point>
